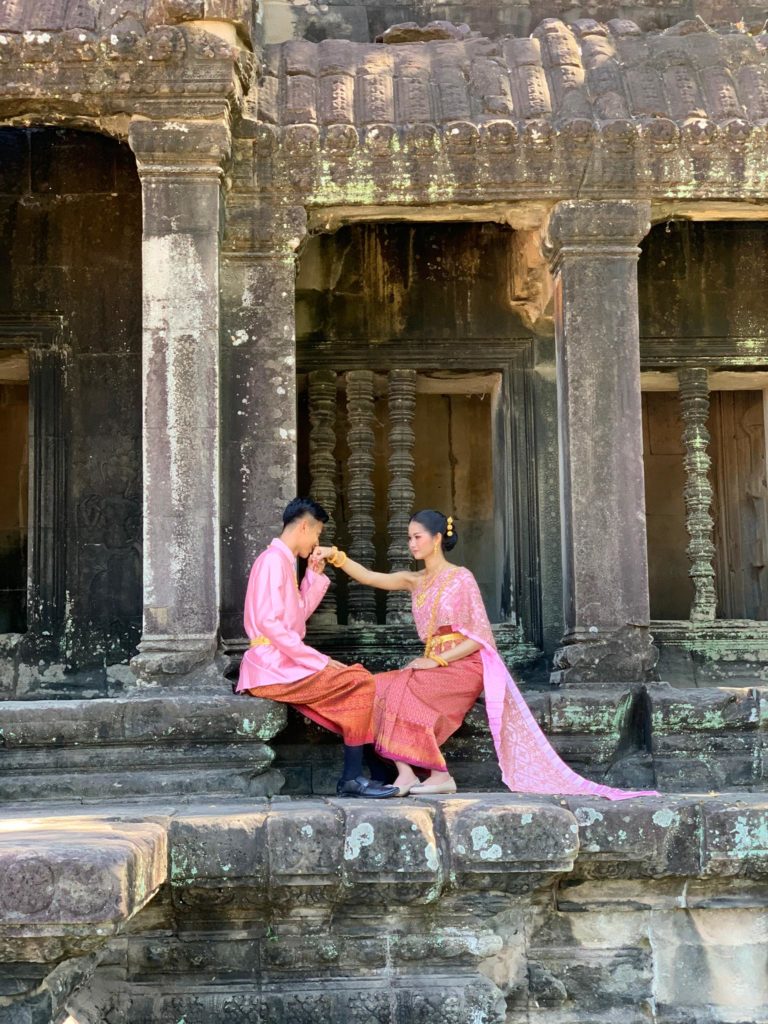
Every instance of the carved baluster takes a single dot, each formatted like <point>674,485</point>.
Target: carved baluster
<point>402,405</point>
<point>362,600</point>
<point>322,467</point>
<point>694,403</point>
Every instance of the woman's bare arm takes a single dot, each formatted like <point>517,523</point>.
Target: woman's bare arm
<point>381,580</point>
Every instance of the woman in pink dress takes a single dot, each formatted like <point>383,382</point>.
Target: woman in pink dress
<point>419,706</point>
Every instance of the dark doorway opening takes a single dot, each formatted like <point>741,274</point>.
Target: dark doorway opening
<point>14,489</point>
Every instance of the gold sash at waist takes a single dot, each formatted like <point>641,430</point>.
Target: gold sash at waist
<point>260,641</point>
<point>441,639</point>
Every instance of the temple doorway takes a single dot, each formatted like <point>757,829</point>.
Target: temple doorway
<point>416,391</point>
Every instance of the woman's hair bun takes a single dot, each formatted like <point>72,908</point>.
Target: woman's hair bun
<point>436,522</point>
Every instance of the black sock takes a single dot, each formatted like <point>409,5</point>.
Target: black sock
<point>380,770</point>
<point>353,762</point>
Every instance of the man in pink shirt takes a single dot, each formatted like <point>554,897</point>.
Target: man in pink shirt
<point>280,666</point>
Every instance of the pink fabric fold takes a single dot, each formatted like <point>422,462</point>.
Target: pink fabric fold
<point>528,762</point>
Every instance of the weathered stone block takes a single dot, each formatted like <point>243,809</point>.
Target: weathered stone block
<point>735,837</point>
<point>707,739</point>
<point>66,883</point>
<point>494,838</point>
<point>219,847</point>
<point>391,853</point>
<point>637,837</point>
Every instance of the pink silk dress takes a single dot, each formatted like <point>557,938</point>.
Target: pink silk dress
<point>527,760</point>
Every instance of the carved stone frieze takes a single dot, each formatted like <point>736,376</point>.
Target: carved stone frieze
<point>594,106</point>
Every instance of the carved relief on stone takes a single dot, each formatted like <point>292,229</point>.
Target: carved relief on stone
<point>694,400</point>
<point>401,494</point>
<point>322,465</point>
<point>362,601</point>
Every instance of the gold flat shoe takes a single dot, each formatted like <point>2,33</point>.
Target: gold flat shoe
<point>435,788</point>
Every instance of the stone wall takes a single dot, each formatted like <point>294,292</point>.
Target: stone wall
<point>492,910</point>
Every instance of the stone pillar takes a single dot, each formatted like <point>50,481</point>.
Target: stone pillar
<point>361,499</point>
<point>258,352</point>
<point>401,494</point>
<point>180,166</point>
<point>322,469</point>
<point>593,250</point>
<point>694,408</point>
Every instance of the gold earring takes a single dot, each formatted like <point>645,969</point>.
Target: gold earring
<point>435,548</point>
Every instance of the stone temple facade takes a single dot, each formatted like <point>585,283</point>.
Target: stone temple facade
<point>505,258</point>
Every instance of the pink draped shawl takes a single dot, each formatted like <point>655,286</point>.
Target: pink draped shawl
<point>527,760</point>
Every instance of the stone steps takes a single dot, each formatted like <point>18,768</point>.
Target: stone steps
<point>481,907</point>
<point>160,745</point>
<point>656,737</point>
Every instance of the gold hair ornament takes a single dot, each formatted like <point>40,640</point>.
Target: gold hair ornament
<point>449,527</point>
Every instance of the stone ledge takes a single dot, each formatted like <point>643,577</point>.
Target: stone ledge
<point>171,745</point>
<point>339,852</point>
<point>67,884</point>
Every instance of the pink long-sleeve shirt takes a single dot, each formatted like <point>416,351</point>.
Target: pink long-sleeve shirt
<point>276,608</point>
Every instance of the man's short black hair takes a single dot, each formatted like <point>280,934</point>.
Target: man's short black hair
<point>300,507</point>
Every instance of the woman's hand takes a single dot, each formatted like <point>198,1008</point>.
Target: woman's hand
<point>321,553</point>
<point>422,663</point>
<point>317,560</point>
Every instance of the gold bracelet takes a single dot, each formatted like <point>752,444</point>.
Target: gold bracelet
<point>440,661</point>
<point>332,557</point>
<point>343,557</point>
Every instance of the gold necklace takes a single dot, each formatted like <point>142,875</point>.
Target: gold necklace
<point>420,595</point>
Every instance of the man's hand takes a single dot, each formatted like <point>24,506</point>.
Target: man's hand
<point>317,560</point>
<point>322,553</point>
<point>422,663</point>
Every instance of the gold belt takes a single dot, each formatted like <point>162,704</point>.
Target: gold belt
<point>260,641</point>
<point>440,639</point>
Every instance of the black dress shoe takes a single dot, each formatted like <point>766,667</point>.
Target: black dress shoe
<point>365,787</point>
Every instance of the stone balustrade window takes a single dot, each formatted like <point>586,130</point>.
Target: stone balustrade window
<point>374,446</point>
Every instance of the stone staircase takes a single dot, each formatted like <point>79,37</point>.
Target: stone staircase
<point>484,909</point>
<point>182,744</point>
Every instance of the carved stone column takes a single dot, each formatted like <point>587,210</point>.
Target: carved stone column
<point>258,346</point>
<point>362,600</point>
<point>180,166</point>
<point>322,467</point>
<point>593,250</point>
<point>401,494</point>
<point>694,404</point>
